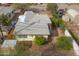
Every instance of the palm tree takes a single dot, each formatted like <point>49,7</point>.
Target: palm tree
<point>1,33</point>
<point>4,21</point>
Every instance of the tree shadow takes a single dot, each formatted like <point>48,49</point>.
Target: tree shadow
<point>53,33</point>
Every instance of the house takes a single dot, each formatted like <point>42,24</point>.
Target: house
<point>9,11</point>
<point>30,25</point>
<point>71,15</point>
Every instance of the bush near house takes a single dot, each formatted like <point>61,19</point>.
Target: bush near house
<point>64,43</point>
<point>62,25</point>
<point>39,40</point>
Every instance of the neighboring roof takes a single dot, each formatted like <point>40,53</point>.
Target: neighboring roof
<point>36,24</point>
<point>73,12</point>
<point>8,44</point>
<point>5,10</point>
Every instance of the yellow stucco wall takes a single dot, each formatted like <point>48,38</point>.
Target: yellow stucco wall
<point>29,38</point>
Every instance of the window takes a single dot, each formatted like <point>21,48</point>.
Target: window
<point>22,36</point>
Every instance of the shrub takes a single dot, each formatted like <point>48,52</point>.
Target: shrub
<point>64,43</point>
<point>55,19</point>
<point>62,25</point>
<point>40,40</point>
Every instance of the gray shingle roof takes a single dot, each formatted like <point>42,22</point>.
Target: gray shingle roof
<point>73,12</point>
<point>36,29</point>
<point>5,10</point>
<point>36,25</point>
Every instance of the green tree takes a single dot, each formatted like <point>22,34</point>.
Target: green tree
<point>1,35</point>
<point>58,21</point>
<point>55,19</point>
<point>62,25</point>
<point>4,20</point>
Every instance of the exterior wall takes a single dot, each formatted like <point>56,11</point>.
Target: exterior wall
<point>29,38</point>
<point>75,19</point>
<point>65,18</point>
<point>46,37</point>
<point>70,17</point>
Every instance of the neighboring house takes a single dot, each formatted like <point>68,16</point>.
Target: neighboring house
<point>30,25</point>
<point>7,11</point>
<point>71,15</point>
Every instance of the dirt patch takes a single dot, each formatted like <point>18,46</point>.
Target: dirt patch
<point>50,50</point>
